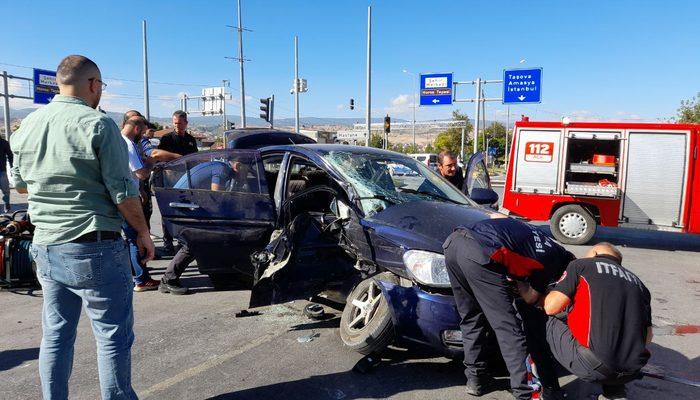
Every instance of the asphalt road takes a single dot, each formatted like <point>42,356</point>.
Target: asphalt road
<point>193,347</point>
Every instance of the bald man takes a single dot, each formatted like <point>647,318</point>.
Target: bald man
<point>600,320</point>
<point>73,163</point>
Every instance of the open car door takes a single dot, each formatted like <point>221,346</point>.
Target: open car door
<point>219,204</point>
<point>316,247</point>
<point>478,181</point>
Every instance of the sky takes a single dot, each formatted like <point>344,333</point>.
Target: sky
<point>602,60</point>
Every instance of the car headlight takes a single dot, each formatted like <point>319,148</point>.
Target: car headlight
<point>427,267</point>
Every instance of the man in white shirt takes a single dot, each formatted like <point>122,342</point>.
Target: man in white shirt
<point>130,133</point>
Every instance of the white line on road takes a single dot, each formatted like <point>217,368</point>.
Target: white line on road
<point>209,364</point>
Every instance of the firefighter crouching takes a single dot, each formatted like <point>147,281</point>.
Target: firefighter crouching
<point>600,321</point>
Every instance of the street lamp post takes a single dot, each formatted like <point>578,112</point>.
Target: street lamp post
<point>415,82</point>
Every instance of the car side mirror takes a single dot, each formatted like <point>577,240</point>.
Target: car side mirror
<point>483,196</point>
<point>340,209</point>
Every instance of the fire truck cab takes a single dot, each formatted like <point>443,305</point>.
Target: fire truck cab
<point>582,174</point>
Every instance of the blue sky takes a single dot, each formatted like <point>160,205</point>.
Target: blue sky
<point>602,60</point>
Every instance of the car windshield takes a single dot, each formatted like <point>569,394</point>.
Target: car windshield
<point>383,180</point>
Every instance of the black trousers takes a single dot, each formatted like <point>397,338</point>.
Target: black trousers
<point>182,259</point>
<point>569,354</point>
<point>484,297</point>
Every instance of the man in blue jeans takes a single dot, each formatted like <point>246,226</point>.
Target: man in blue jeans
<point>133,128</point>
<point>72,162</point>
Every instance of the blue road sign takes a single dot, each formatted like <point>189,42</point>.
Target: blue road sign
<point>493,151</point>
<point>522,86</point>
<point>436,89</point>
<point>45,86</point>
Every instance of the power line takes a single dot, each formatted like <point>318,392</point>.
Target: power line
<point>126,80</point>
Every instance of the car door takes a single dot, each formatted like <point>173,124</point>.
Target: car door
<point>219,204</point>
<point>314,248</point>
<point>477,183</point>
<point>477,174</point>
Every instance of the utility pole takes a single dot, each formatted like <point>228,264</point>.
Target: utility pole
<point>483,119</point>
<point>296,84</point>
<point>477,101</point>
<point>240,62</point>
<point>415,83</point>
<point>461,150</point>
<point>507,128</point>
<point>369,75</point>
<point>6,109</point>
<point>145,73</point>
<point>223,110</point>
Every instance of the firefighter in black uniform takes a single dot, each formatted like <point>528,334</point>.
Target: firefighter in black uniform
<point>603,334</point>
<point>485,262</point>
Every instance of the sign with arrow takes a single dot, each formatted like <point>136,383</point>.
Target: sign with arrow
<point>45,86</point>
<point>522,86</point>
<point>436,89</point>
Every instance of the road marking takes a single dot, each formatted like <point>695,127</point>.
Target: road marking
<point>209,364</point>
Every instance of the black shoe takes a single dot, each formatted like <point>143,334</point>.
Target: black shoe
<point>172,287</point>
<point>168,250</point>
<point>479,386</point>
<point>613,392</point>
<point>549,393</point>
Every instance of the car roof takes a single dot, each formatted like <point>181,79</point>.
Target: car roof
<point>324,148</point>
<point>252,138</point>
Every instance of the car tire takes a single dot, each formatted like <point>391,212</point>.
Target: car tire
<point>364,327</point>
<point>572,224</point>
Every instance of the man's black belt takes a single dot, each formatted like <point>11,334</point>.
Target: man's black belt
<point>96,236</point>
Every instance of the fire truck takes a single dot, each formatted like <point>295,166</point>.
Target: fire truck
<point>579,175</point>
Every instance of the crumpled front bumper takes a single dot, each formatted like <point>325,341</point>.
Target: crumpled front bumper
<point>423,317</point>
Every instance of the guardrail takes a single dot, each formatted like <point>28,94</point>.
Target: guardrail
<point>498,183</point>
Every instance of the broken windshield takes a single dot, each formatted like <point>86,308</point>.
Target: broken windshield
<point>382,180</point>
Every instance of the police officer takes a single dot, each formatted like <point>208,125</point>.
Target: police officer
<point>603,336</point>
<point>486,261</point>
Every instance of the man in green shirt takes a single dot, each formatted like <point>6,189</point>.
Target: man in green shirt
<point>73,163</point>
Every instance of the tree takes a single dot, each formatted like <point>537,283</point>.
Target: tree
<point>451,139</point>
<point>376,140</point>
<point>689,111</point>
<point>497,138</point>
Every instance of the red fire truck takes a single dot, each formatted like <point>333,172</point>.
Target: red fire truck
<point>582,174</point>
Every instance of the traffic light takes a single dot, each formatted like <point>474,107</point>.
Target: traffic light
<point>352,104</point>
<point>265,108</point>
<point>387,124</point>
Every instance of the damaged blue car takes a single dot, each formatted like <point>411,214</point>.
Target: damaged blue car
<point>334,221</point>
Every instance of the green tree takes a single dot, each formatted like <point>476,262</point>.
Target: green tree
<point>497,138</point>
<point>376,140</point>
<point>451,139</point>
<point>689,111</point>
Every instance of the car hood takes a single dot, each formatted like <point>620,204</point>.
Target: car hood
<point>423,225</point>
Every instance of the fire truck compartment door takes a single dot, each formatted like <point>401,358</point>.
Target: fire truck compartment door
<point>537,163</point>
<point>597,135</point>
<point>656,175</point>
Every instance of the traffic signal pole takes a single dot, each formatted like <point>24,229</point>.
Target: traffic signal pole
<point>296,84</point>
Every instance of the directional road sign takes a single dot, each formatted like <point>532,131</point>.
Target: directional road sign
<point>522,86</point>
<point>45,86</point>
<point>436,89</point>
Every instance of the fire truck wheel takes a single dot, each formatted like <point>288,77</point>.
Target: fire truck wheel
<point>572,224</point>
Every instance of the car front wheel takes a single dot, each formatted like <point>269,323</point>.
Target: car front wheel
<point>366,325</point>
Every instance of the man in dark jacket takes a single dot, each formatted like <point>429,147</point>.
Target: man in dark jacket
<point>448,168</point>
<point>5,157</point>
<point>179,142</point>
